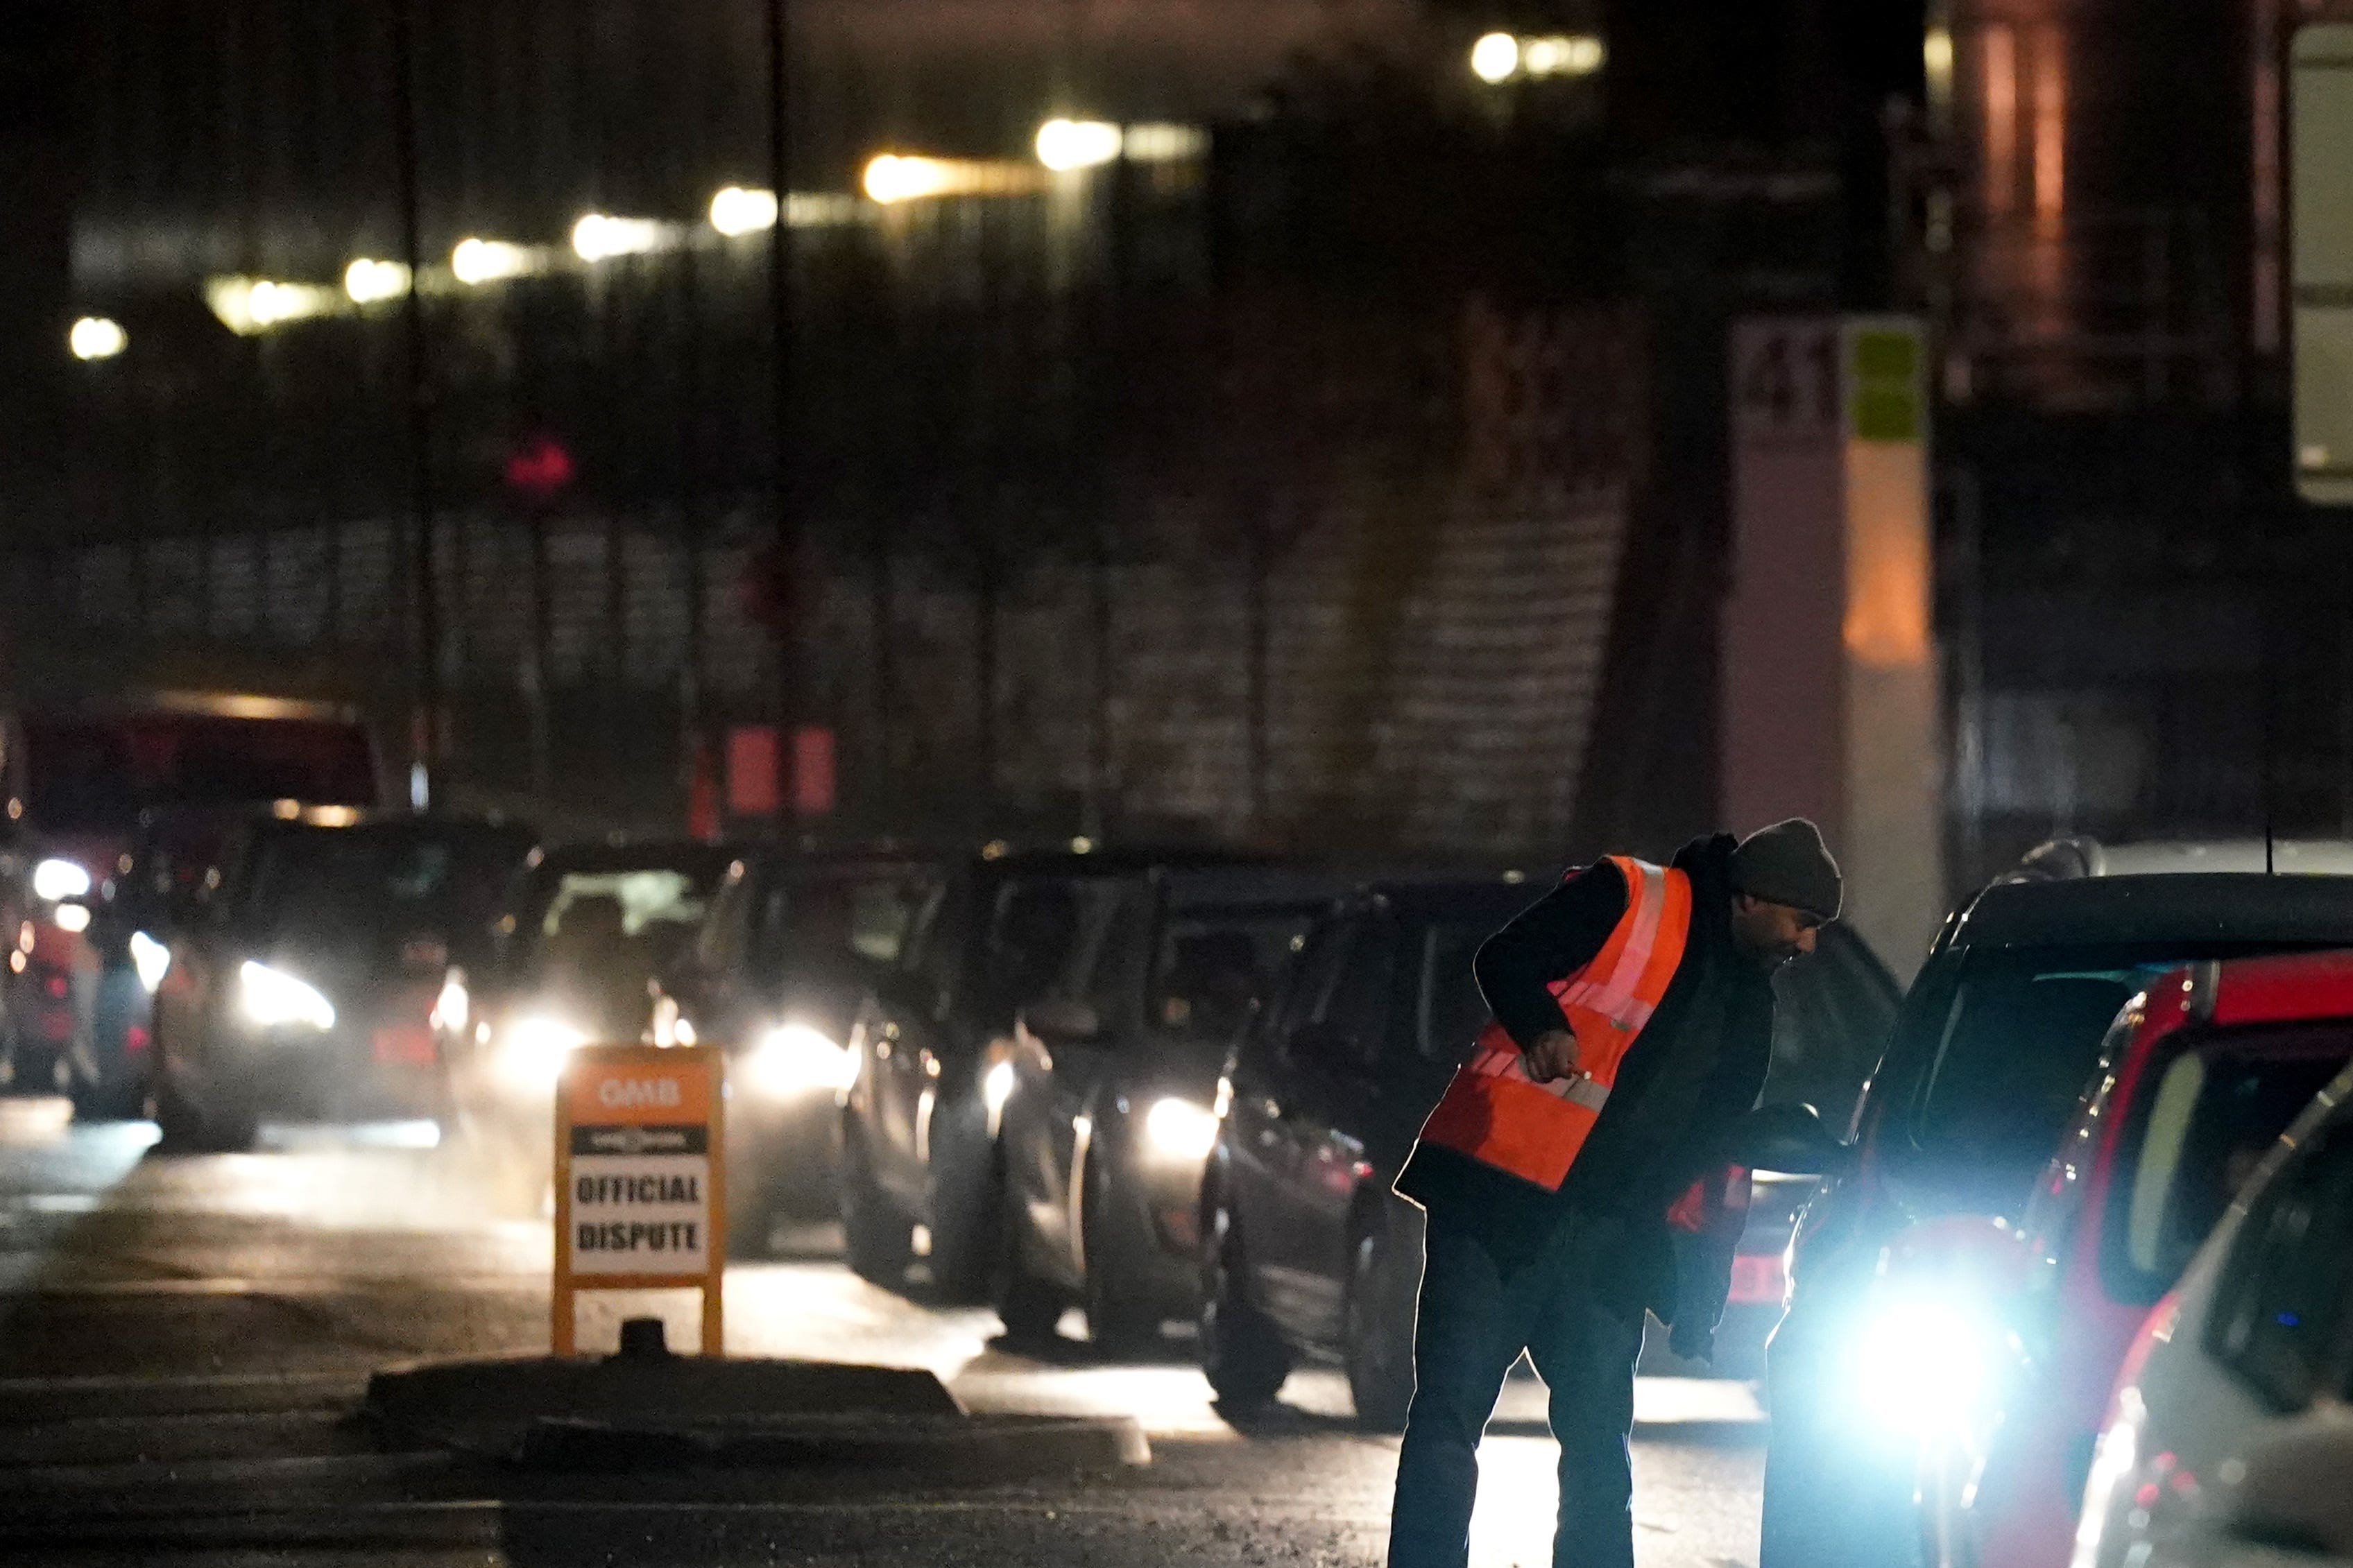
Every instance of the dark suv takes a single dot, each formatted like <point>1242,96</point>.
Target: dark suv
<point>1105,1103</point>
<point>1990,1054</point>
<point>919,1160</point>
<point>1308,1252</point>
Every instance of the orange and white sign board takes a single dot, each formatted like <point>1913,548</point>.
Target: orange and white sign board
<point>639,1178</point>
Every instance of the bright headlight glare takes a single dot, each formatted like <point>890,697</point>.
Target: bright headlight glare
<point>794,1058</point>
<point>73,919</point>
<point>1179,1130</point>
<point>273,998</point>
<point>532,1049</point>
<point>55,879</point>
<point>997,1086</point>
<point>2114,1463</point>
<point>1923,1366</point>
<point>453,1007</point>
<point>151,958</point>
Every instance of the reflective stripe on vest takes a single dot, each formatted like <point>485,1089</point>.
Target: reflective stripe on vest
<point>1496,1113</point>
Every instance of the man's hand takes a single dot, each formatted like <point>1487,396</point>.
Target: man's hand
<point>1553,1056</point>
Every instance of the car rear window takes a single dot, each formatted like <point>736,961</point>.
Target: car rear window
<point>2194,1136</point>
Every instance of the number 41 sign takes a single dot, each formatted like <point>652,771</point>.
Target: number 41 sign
<point>639,1178</point>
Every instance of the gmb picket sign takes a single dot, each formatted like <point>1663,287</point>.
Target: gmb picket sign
<point>637,1178</point>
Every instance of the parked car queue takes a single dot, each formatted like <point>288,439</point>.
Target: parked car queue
<point>1161,1085</point>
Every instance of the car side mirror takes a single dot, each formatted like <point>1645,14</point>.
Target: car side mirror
<point>1790,1140</point>
<point>1061,1021</point>
<point>2293,1496</point>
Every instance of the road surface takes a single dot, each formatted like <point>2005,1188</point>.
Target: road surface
<point>228,1308</point>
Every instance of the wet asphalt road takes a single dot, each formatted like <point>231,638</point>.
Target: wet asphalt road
<point>179,1336</point>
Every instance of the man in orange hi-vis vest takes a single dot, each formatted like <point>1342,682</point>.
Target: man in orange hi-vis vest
<point>1576,1171</point>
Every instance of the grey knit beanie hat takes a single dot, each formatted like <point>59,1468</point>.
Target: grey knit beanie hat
<point>1788,863</point>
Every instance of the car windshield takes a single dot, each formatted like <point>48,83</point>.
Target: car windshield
<point>1213,968</point>
<point>100,775</point>
<point>305,881</point>
<point>1995,1052</point>
<point>2195,1136</point>
<point>594,917</point>
<point>820,916</point>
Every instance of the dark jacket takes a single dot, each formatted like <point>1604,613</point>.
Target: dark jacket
<point>1696,1068</point>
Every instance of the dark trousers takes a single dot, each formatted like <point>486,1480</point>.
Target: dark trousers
<point>1478,1312</point>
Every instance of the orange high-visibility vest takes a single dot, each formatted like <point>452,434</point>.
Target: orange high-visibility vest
<point>1499,1115</point>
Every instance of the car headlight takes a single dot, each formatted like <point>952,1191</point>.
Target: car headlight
<point>532,1049</point>
<point>1923,1366</point>
<point>453,1007</point>
<point>272,998</point>
<point>55,879</point>
<point>795,1059</point>
<point>997,1088</point>
<point>151,958</point>
<point>1179,1129</point>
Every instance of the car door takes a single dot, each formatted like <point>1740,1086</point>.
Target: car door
<point>912,1007</point>
<point>1338,1057</point>
<point>1261,1156</point>
<point>1059,1078</point>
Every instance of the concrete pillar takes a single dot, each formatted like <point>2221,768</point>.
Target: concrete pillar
<point>1830,704</point>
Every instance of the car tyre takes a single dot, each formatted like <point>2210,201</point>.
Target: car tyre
<point>1029,1304</point>
<point>876,1238</point>
<point>967,1241</point>
<point>185,1128</point>
<point>33,1069</point>
<point>1120,1324</point>
<point>1379,1360</point>
<point>1242,1352</point>
<point>99,1100</point>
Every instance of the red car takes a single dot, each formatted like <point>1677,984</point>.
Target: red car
<point>2200,1075</point>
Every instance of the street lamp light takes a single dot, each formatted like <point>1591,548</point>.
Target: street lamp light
<point>371,283</point>
<point>1064,145</point>
<point>475,262</point>
<point>1495,57</point>
<point>96,337</point>
<point>736,211</point>
<point>598,237</point>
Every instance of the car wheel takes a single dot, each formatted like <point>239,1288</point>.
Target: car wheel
<point>187,1129</point>
<point>1029,1304</point>
<point>968,1214</point>
<point>99,1100</point>
<point>875,1234</point>
<point>1379,1360</point>
<point>1243,1353</point>
<point>1120,1322</point>
<point>33,1069</point>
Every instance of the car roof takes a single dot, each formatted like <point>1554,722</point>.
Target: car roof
<point>1119,859</point>
<point>2066,860</point>
<point>2080,892</point>
<point>2282,988</point>
<point>1232,887</point>
<point>1499,897</point>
